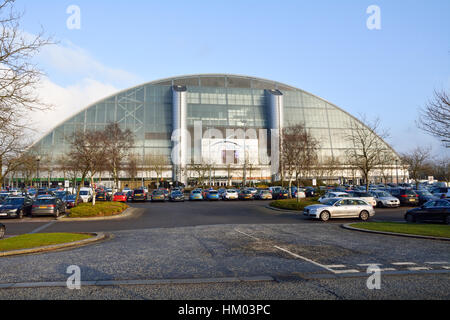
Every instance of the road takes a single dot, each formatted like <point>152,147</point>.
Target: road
<point>187,214</point>
<point>228,250</point>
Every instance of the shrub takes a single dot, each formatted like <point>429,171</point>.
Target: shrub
<point>293,204</point>
<point>101,209</point>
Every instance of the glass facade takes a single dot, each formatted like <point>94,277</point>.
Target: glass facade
<point>219,101</point>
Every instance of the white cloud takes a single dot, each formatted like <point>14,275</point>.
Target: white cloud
<point>90,81</point>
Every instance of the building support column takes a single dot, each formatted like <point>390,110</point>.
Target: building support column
<point>276,118</point>
<point>179,136</point>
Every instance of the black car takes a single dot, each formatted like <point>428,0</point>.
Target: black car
<point>425,196</point>
<point>435,210</point>
<point>281,194</point>
<point>2,230</point>
<point>407,197</point>
<point>16,207</point>
<point>176,196</point>
<point>102,196</point>
<point>310,192</point>
<point>139,195</point>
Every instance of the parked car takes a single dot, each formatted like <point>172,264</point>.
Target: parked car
<point>176,196</point>
<point>264,195</point>
<point>139,195</point>
<point>310,192</point>
<point>385,199</point>
<point>332,195</point>
<point>370,199</point>
<point>425,196</point>
<point>16,207</point>
<point>435,210</point>
<point>120,197</point>
<point>102,196</point>
<point>340,208</point>
<point>230,194</point>
<point>245,195</point>
<point>2,230</point>
<point>86,194</point>
<point>196,195</point>
<point>3,197</point>
<point>50,206</point>
<point>407,197</point>
<point>158,196</point>
<point>71,202</point>
<point>212,195</point>
<point>438,192</point>
<point>280,194</point>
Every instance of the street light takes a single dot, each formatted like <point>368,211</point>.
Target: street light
<point>38,160</point>
<point>396,169</point>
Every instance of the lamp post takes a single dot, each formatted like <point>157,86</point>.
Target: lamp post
<point>38,160</point>
<point>396,169</point>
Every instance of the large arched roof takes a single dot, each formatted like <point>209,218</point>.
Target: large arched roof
<point>215,80</point>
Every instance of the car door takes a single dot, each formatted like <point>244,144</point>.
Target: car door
<point>439,211</point>
<point>341,209</point>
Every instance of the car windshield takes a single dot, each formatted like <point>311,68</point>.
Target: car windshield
<point>383,194</point>
<point>71,197</point>
<point>15,201</point>
<point>196,191</point>
<point>139,191</point>
<point>119,194</point>
<point>158,193</point>
<point>231,191</point>
<point>363,194</point>
<point>83,193</point>
<point>176,193</point>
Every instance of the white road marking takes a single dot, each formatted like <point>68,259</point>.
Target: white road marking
<point>446,267</point>
<point>336,266</point>
<point>437,262</point>
<point>418,268</point>
<point>388,269</point>
<point>369,264</point>
<point>45,226</point>
<point>403,263</point>
<point>346,271</point>
<point>246,234</point>
<point>306,259</point>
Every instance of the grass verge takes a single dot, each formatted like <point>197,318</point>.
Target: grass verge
<point>29,241</point>
<point>434,230</point>
<point>293,204</point>
<point>101,209</point>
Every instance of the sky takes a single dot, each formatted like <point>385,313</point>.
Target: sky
<point>323,47</point>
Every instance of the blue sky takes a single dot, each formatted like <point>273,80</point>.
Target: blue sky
<point>323,47</point>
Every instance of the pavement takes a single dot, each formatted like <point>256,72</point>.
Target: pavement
<point>219,250</point>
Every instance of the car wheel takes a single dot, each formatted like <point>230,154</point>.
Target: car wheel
<point>2,231</point>
<point>410,218</point>
<point>364,216</point>
<point>20,215</point>
<point>325,216</point>
<point>57,213</point>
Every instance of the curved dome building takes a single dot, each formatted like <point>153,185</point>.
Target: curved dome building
<point>206,108</point>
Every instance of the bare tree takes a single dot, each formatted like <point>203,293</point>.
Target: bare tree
<point>158,164</point>
<point>366,140</point>
<point>118,143</point>
<point>435,116</point>
<point>19,78</point>
<point>88,152</point>
<point>299,153</point>
<point>131,167</point>
<point>416,162</point>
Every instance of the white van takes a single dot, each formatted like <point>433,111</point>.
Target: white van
<point>86,194</point>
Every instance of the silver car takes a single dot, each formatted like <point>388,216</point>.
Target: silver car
<point>385,199</point>
<point>340,208</point>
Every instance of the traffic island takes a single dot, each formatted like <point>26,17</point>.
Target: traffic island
<point>101,210</point>
<point>293,204</point>
<point>44,242</point>
<point>413,230</point>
